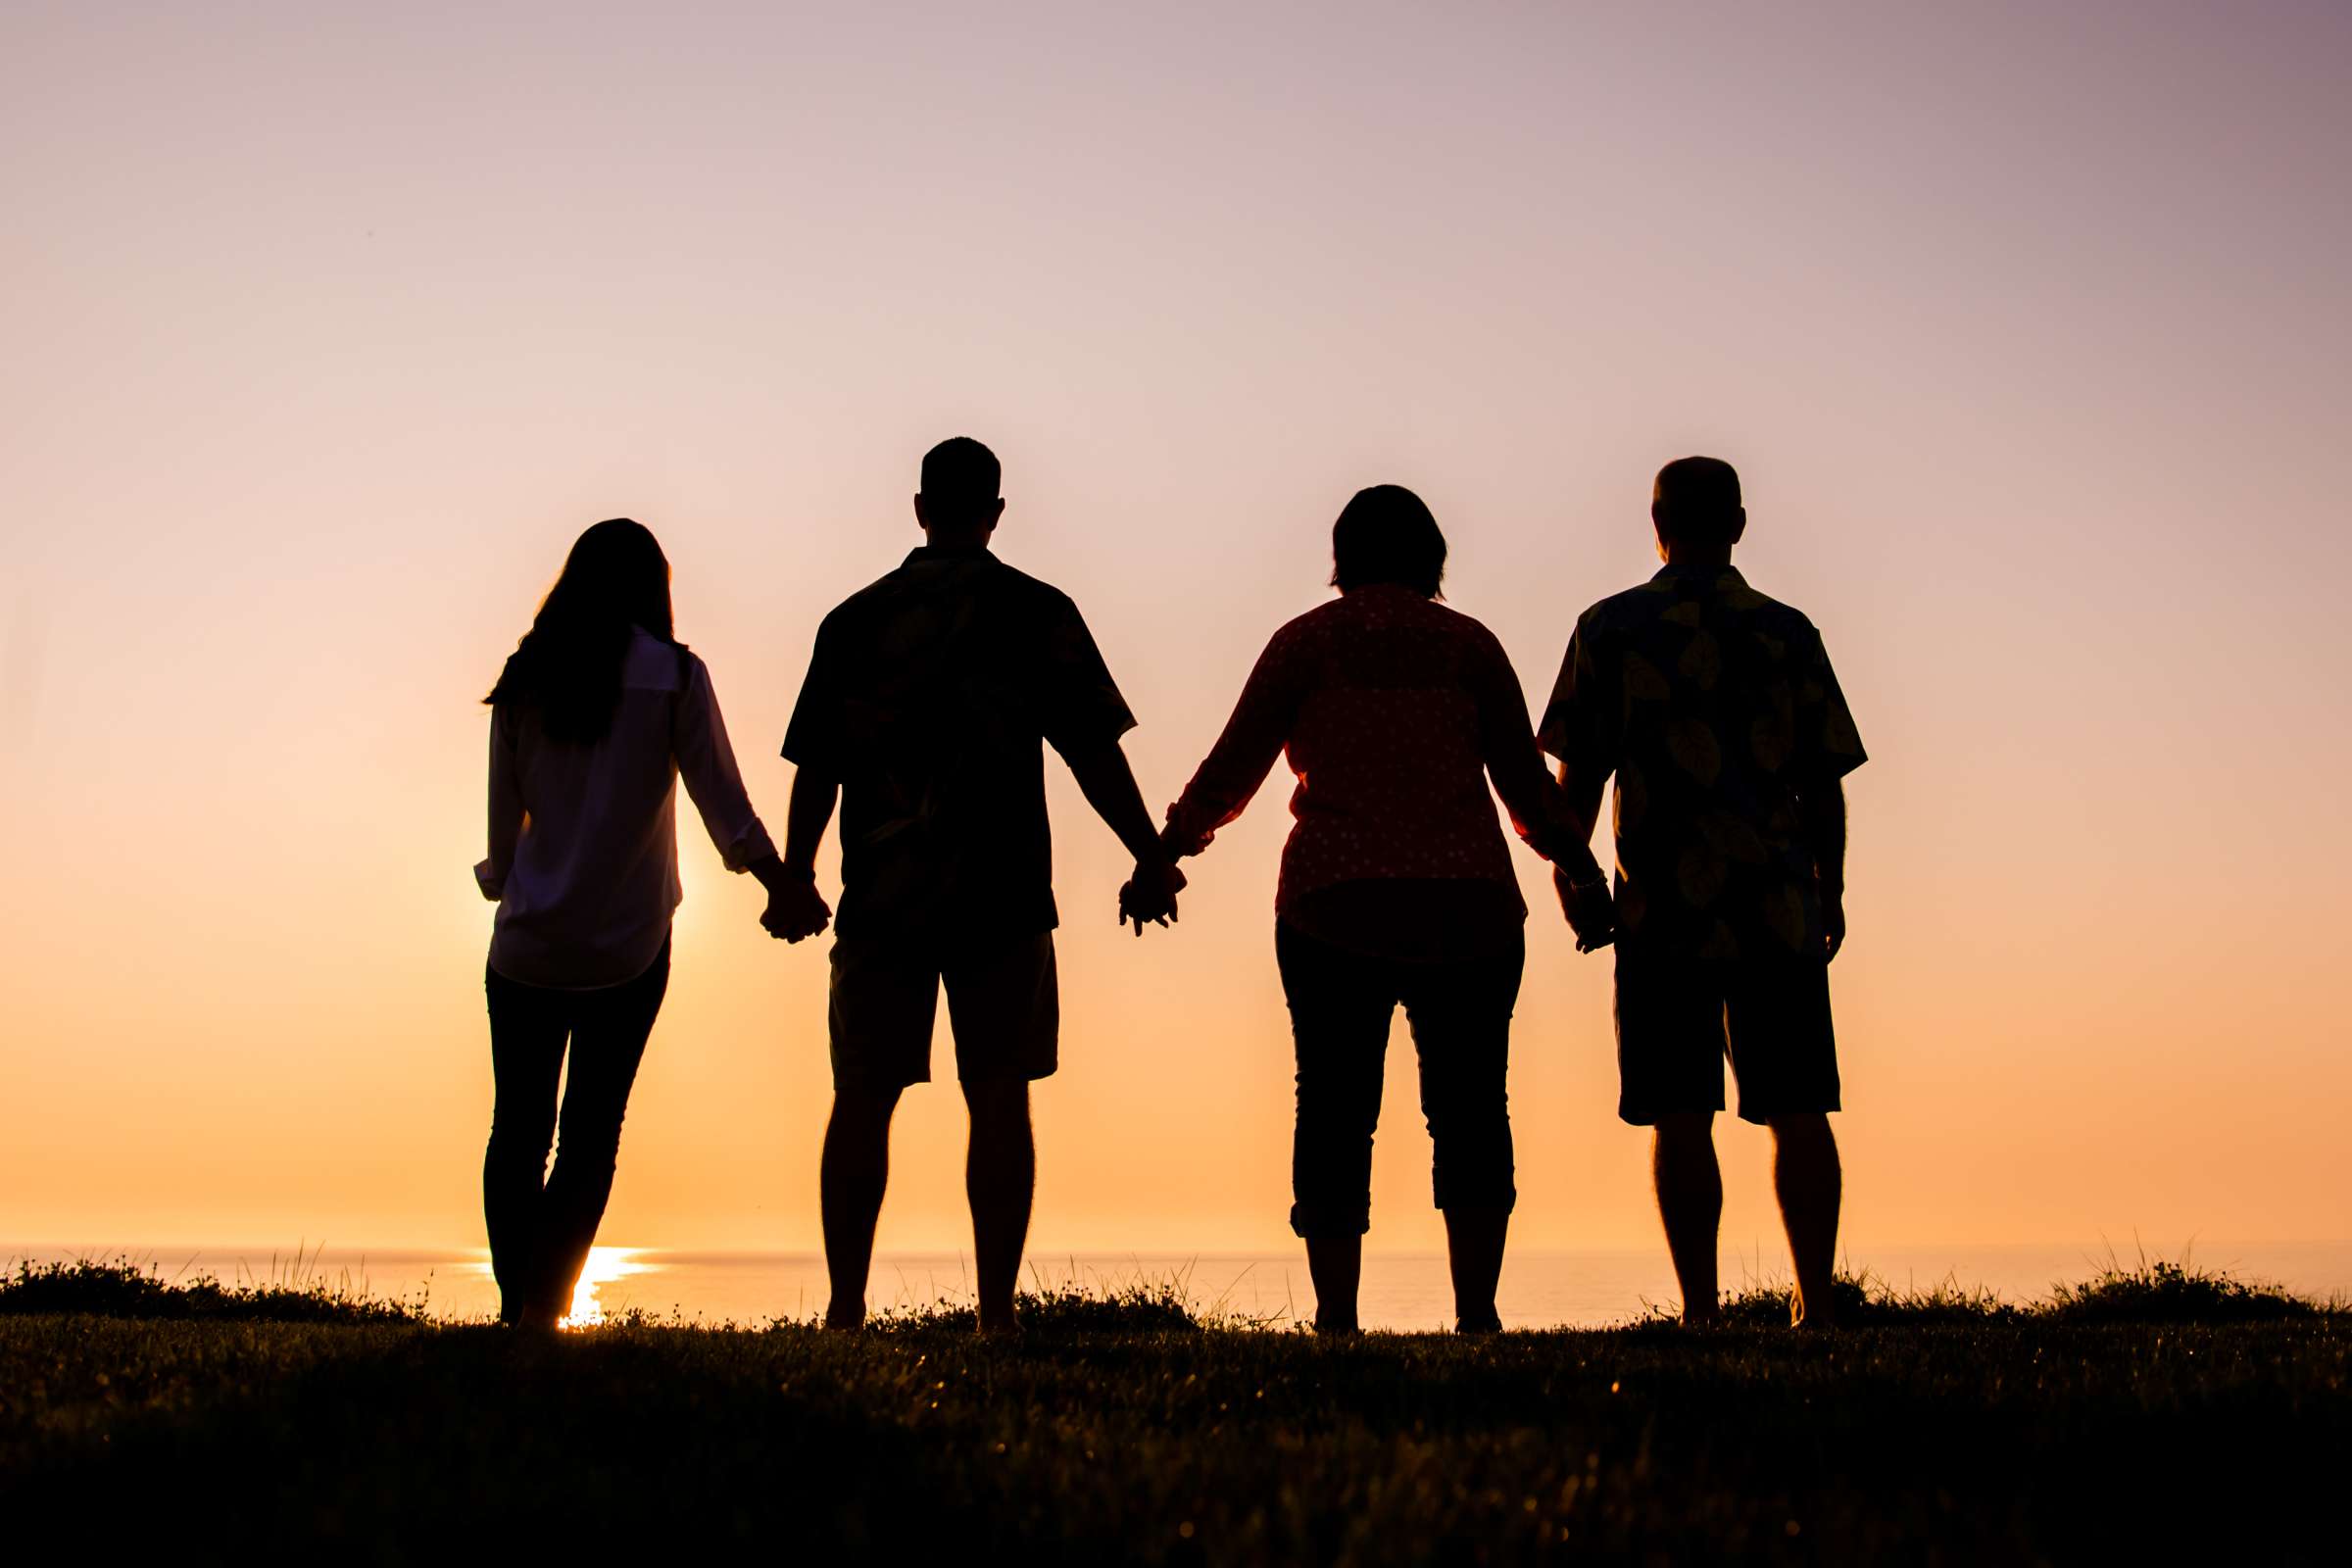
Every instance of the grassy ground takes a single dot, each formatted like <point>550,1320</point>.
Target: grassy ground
<point>2156,1412</point>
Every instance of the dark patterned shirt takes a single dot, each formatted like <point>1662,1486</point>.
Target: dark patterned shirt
<point>1716,709</point>
<point>928,697</point>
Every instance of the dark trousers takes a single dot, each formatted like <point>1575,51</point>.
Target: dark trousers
<point>541,1223</point>
<point>1340,1004</point>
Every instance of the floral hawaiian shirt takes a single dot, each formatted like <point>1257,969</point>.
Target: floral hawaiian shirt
<point>1716,709</point>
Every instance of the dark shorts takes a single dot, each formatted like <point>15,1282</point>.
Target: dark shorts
<point>1678,1019</point>
<point>1004,1004</point>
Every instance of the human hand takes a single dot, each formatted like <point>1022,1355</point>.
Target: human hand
<point>1149,895</point>
<point>1833,921</point>
<point>1591,913</point>
<point>795,911</point>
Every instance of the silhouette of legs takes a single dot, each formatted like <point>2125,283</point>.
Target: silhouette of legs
<point>527,1053</point>
<point>1474,1239</point>
<point>542,1223</point>
<point>1689,1188</point>
<point>1811,1185</point>
<point>1341,1007</point>
<point>854,1170</point>
<point>1461,1019</point>
<point>1336,1265</point>
<point>999,1177</point>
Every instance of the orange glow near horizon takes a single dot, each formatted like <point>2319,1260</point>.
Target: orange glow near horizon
<point>328,338</point>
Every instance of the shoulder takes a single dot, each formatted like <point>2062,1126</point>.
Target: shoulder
<point>1034,594</point>
<point>1781,623</point>
<point>653,663</point>
<point>1637,606</point>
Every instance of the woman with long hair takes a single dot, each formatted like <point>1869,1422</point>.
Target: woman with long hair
<point>1396,884</point>
<point>597,716</point>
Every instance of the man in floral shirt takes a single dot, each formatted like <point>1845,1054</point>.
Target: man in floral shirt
<point>1717,711</point>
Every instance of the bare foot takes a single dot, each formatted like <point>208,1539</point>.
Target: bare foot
<point>846,1319</point>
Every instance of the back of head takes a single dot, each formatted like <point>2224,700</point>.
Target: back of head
<point>567,668</point>
<point>959,484</point>
<point>1385,535</point>
<point>1696,501</point>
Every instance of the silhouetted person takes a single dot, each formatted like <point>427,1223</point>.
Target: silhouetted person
<point>596,716</point>
<point>926,700</point>
<point>1717,710</point>
<point>1396,884</point>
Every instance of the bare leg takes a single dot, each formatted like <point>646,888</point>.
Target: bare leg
<point>1807,1178</point>
<point>1474,1239</point>
<point>1336,1264</point>
<point>854,1171</point>
<point>1691,1203</point>
<point>999,1177</point>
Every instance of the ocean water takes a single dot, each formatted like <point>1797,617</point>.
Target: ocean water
<point>1400,1292</point>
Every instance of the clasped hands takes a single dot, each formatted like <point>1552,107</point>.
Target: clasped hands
<point>1591,913</point>
<point>1149,895</point>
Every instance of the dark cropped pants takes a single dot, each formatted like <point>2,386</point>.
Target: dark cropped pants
<point>542,1222</point>
<point>1341,1004</point>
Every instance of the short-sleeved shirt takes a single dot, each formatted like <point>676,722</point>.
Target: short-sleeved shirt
<point>1716,709</point>
<point>928,697</point>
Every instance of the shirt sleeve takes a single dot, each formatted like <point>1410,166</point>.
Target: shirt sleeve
<point>1584,722</point>
<point>505,806</point>
<point>813,738</point>
<point>1081,709</point>
<point>1828,746</point>
<point>1538,808</point>
<point>1255,736</point>
<point>706,763</point>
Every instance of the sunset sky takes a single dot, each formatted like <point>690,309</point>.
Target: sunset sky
<point>328,328</point>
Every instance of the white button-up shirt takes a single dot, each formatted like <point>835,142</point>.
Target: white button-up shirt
<point>583,839</point>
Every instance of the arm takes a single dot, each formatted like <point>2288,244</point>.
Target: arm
<point>1108,785</point>
<point>714,783</point>
<point>1244,754</point>
<point>795,911</point>
<point>1821,818</point>
<point>1828,748</point>
<point>1581,729</point>
<point>1539,809</point>
<point>706,764</point>
<point>507,815</point>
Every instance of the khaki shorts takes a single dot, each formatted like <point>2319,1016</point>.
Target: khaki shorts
<point>1003,1004</point>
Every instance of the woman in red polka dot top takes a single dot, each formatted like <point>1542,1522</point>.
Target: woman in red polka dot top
<point>1397,883</point>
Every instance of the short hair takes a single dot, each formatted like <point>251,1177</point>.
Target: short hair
<point>1697,500</point>
<point>961,477</point>
<point>1385,534</point>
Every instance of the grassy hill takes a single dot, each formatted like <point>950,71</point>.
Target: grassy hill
<point>2153,1412</point>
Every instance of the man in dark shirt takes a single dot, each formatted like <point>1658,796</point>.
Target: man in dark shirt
<point>925,703</point>
<point>1717,710</point>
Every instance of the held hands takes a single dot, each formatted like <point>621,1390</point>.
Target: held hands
<point>1833,920</point>
<point>794,910</point>
<point>1590,913</point>
<point>1149,895</point>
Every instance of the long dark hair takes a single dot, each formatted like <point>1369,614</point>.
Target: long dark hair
<point>567,668</point>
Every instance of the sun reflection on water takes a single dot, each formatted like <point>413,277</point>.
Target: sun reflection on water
<point>604,1266</point>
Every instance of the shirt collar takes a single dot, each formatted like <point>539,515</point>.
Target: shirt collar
<point>1719,576</point>
<point>923,553</point>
